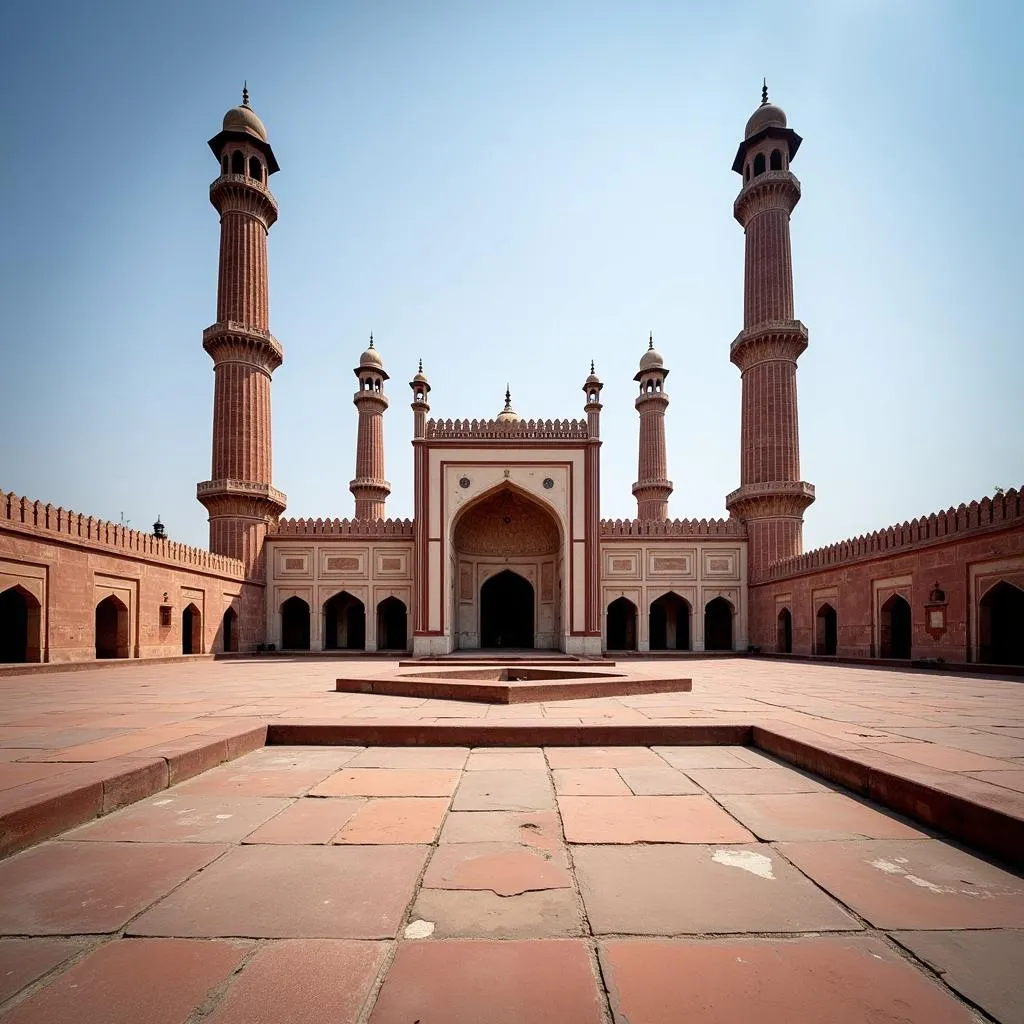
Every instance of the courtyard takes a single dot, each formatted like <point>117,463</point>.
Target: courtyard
<point>175,856</point>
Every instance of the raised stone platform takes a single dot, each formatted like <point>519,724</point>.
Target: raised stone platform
<point>510,684</point>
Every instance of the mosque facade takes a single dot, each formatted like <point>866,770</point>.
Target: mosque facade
<point>506,548</point>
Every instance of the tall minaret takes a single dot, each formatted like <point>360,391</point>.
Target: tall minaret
<point>592,388</point>
<point>239,496</point>
<point>652,487</point>
<point>369,487</point>
<point>771,497</point>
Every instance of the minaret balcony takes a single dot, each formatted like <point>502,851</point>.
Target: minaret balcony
<point>771,190</point>
<point>772,340</point>
<point>264,497</point>
<point>241,192</point>
<point>776,498</point>
<point>232,340</point>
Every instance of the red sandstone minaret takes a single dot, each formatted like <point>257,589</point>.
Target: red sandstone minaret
<point>239,496</point>
<point>369,487</point>
<point>652,487</point>
<point>771,496</point>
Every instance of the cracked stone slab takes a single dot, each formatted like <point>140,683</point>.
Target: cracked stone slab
<point>503,868</point>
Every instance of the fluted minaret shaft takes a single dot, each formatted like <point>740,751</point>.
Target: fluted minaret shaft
<point>771,497</point>
<point>240,497</point>
<point>369,488</point>
<point>652,488</point>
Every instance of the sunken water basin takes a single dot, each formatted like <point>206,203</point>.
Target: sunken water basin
<point>510,684</point>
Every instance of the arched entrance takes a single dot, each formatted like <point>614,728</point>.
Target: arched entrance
<point>784,632</point>
<point>344,623</point>
<point>669,624</point>
<point>620,625</point>
<point>894,628</point>
<point>295,625</point>
<point>20,619</point>
<point>111,628</point>
<point>826,630</point>
<point>229,631</point>
<point>392,625</point>
<point>191,630</point>
<point>718,625</point>
<point>1001,625</point>
<point>507,566</point>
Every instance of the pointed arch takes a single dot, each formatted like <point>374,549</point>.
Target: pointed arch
<point>826,630</point>
<point>775,161</point>
<point>111,628</point>
<point>294,624</point>
<point>718,620</point>
<point>669,623</point>
<point>620,625</point>
<point>551,539</point>
<point>894,628</point>
<point>392,625</point>
<point>229,631</point>
<point>344,623</point>
<point>507,611</point>
<point>191,630</point>
<point>20,625</point>
<point>1001,625</point>
<point>784,632</point>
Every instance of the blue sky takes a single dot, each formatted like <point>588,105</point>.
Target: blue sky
<point>509,190</point>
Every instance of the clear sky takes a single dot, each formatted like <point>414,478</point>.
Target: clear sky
<point>509,190</point>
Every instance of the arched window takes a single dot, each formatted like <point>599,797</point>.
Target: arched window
<point>224,164</point>
<point>784,633</point>
<point>255,168</point>
<point>191,630</point>
<point>746,172</point>
<point>295,625</point>
<point>1001,625</point>
<point>229,631</point>
<point>669,625</point>
<point>620,625</point>
<point>776,160</point>
<point>344,623</point>
<point>826,630</point>
<point>20,620</point>
<point>112,628</point>
<point>894,628</point>
<point>758,164</point>
<point>718,625</point>
<point>237,162</point>
<point>392,625</point>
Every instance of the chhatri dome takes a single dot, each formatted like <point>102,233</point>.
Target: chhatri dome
<point>651,359</point>
<point>371,359</point>
<point>768,115</point>
<point>508,414</point>
<point>244,119</point>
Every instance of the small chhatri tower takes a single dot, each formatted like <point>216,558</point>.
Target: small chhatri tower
<point>369,487</point>
<point>652,487</point>
<point>771,498</point>
<point>239,495</point>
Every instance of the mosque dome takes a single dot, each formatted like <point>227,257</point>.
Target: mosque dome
<point>421,377</point>
<point>651,359</point>
<point>244,119</point>
<point>371,358</point>
<point>593,378</point>
<point>508,414</point>
<point>768,115</point>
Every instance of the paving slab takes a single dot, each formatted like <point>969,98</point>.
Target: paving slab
<point>307,822</point>
<point>22,961</point>
<point>507,869</point>
<point>303,981</point>
<point>792,816</point>
<point>725,781</point>
<point>137,981</point>
<point>411,757</point>
<point>402,820</point>
<point>389,782</point>
<point>589,782</point>
<point>913,884</point>
<point>505,759</point>
<point>985,967</point>
<point>235,780</point>
<point>358,892</point>
<point>658,782</point>
<point>178,816</point>
<point>546,981</point>
<point>541,830</point>
<point>648,819</point>
<point>702,757</point>
<point>846,979</point>
<point>504,791</point>
<point>603,757</point>
<point>675,890</point>
<point>451,913</point>
<point>68,888</point>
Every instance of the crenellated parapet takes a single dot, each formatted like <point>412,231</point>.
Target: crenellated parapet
<point>376,528</point>
<point>535,430</point>
<point>39,519</point>
<point>674,528</point>
<point>998,512</point>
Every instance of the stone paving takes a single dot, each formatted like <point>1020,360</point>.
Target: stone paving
<point>448,884</point>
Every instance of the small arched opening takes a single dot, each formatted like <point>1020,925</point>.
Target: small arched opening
<point>392,625</point>
<point>191,630</point>
<point>718,625</point>
<point>224,164</point>
<point>255,168</point>
<point>758,164</point>
<point>344,623</point>
<point>112,628</point>
<point>784,632</point>
<point>746,172</point>
<point>826,630</point>
<point>229,631</point>
<point>894,628</point>
<point>669,624</point>
<point>775,161</point>
<point>295,625</point>
<point>237,162</point>
<point>620,625</point>
<point>1001,625</point>
<point>506,611</point>
<point>20,622</point>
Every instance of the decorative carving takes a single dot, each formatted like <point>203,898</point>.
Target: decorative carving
<point>465,583</point>
<point>343,563</point>
<point>295,563</point>
<point>672,564</point>
<point>574,430</point>
<point>547,581</point>
<point>673,528</point>
<point>506,524</point>
<point>622,565</point>
<point>719,564</point>
<point>391,564</point>
<point>387,528</point>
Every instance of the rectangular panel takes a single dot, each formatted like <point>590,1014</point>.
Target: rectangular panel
<point>293,563</point>
<point>342,560</point>
<point>672,562</point>
<point>392,562</point>
<point>720,564</point>
<point>621,563</point>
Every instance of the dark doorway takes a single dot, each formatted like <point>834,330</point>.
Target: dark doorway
<point>894,628</point>
<point>784,633</point>
<point>295,625</point>
<point>620,625</point>
<point>391,625</point>
<point>506,611</point>
<point>1001,625</point>
<point>191,631</point>
<point>718,625</point>
<point>111,628</point>
<point>344,623</point>
<point>669,624</point>
<point>19,626</point>
<point>826,630</point>
<point>229,631</point>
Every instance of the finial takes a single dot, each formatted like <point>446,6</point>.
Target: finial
<point>508,398</point>
<point>650,342</point>
<point>764,91</point>
<point>591,365</point>
<point>245,93</point>
<point>421,366</point>
<point>371,339</point>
